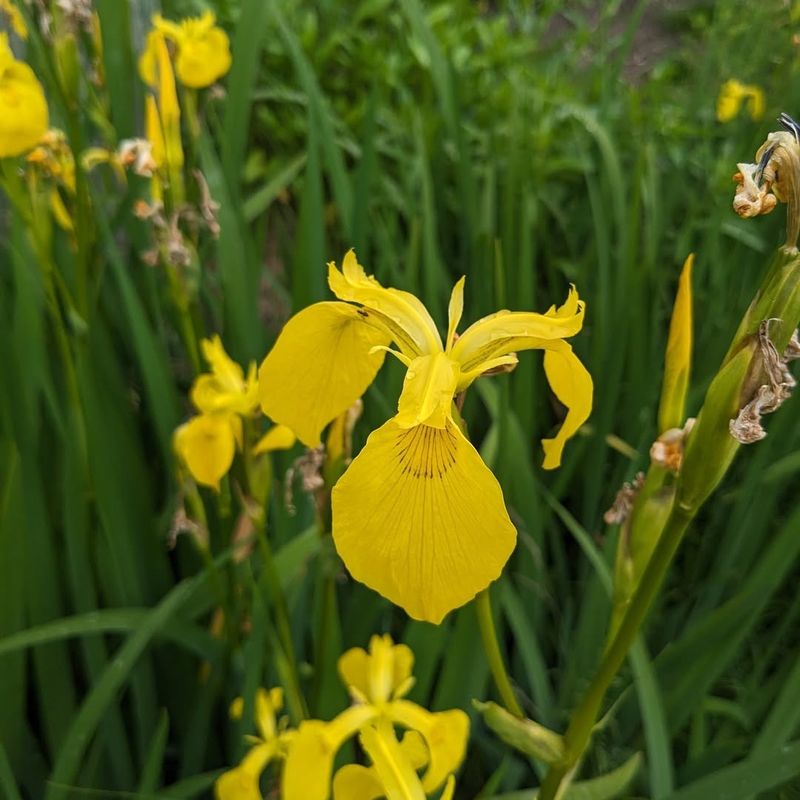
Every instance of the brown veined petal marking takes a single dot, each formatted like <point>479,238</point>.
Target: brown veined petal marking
<point>420,518</point>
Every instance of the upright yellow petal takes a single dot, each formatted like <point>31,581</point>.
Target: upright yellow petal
<point>320,365</point>
<point>678,359</point>
<point>454,311</point>
<point>445,733</point>
<point>420,518</point>
<point>428,390</point>
<point>449,788</point>
<point>400,313</point>
<point>376,676</point>
<point>395,772</point>
<point>572,385</point>
<point>207,444</point>
<point>510,331</point>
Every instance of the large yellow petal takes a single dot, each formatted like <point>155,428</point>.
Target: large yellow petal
<point>428,390</point>
<point>572,385</point>
<point>445,732</point>
<point>420,518</point>
<point>356,782</point>
<point>242,782</point>
<point>320,365</point>
<point>510,331</point>
<point>401,313</point>
<point>207,444</point>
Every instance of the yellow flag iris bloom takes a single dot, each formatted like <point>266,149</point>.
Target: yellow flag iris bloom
<point>272,743</point>
<point>207,443</point>
<point>23,108</point>
<point>378,682</point>
<point>203,52</point>
<point>417,516</point>
<point>731,97</point>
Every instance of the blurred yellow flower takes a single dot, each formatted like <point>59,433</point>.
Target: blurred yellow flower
<point>378,682</point>
<point>272,743</point>
<point>52,159</point>
<point>207,443</point>
<point>731,97</point>
<point>202,50</point>
<point>417,516</point>
<point>23,108</point>
<point>11,12</point>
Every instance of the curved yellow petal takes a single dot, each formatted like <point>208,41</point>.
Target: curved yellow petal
<point>445,733</point>
<point>394,770</point>
<point>449,788</point>
<point>23,107</point>
<point>420,518</point>
<point>225,387</point>
<point>428,390</point>
<point>400,313</point>
<point>315,745</point>
<point>572,385</point>
<point>242,782</point>
<point>278,437</point>
<point>355,782</point>
<point>207,444</point>
<point>320,365</point>
<point>510,331</point>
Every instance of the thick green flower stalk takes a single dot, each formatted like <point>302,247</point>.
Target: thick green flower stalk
<point>690,460</point>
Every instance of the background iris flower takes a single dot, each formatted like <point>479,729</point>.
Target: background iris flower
<point>417,516</point>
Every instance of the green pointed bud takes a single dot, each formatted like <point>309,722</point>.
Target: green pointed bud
<point>678,359</point>
<point>524,735</point>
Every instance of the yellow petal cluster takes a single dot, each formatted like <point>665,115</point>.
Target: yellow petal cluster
<point>417,516</point>
<point>202,50</point>
<point>224,397</point>
<point>23,108</point>
<point>378,681</point>
<point>733,94</point>
<point>272,744</point>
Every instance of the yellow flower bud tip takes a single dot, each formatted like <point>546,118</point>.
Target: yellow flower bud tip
<point>23,108</point>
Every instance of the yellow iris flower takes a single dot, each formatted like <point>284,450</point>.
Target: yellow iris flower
<point>731,97</point>
<point>273,742</point>
<point>378,682</point>
<point>203,52</point>
<point>23,108</point>
<point>417,516</point>
<point>207,443</point>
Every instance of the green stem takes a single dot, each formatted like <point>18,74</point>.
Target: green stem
<point>583,719</point>
<point>483,607</point>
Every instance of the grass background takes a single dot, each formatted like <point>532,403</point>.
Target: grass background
<point>524,147</point>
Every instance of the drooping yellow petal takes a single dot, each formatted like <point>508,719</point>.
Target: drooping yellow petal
<point>402,315</point>
<point>678,359</point>
<point>572,385</point>
<point>428,390</point>
<point>395,772</point>
<point>420,518</point>
<point>445,733</point>
<point>278,437</point>
<point>320,365</point>
<point>242,782</point>
<point>309,763</point>
<point>454,311</point>
<point>268,704</point>
<point>206,444</point>
<point>510,331</point>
